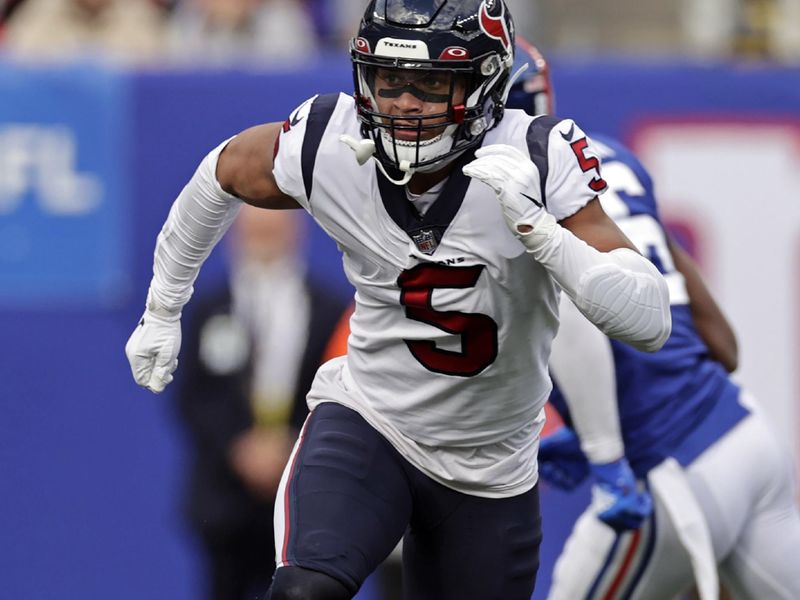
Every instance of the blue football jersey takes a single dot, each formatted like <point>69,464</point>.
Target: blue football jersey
<point>677,401</point>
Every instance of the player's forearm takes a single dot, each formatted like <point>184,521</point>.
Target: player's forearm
<point>199,217</point>
<point>620,291</point>
<point>714,328</point>
<point>582,365</point>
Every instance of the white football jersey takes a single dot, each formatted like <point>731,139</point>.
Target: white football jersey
<point>450,338</point>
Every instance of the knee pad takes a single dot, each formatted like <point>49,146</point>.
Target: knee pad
<point>296,583</point>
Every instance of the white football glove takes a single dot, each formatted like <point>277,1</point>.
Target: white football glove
<point>515,180</point>
<point>152,350</point>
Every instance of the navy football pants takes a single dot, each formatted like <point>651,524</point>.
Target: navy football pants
<point>350,497</point>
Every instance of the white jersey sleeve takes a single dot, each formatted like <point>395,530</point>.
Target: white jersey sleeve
<point>568,162</point>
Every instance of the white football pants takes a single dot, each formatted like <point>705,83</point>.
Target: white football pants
<point>744,486</point>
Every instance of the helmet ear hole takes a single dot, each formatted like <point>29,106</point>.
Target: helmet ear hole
<point>498,110</point>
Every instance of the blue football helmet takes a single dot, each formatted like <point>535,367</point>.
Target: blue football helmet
<point>533,90</point>
<point>429,48</point>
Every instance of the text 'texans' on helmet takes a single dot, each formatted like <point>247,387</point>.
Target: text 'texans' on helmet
<point>455,52</point>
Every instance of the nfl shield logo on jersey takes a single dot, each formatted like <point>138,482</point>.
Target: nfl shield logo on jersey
<point>425,241</point>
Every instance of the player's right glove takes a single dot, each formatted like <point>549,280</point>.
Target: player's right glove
<point>152,349</point>
<point>562,463</point>
<point>616,497</point>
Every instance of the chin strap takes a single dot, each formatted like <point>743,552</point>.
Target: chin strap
<point>365,149</point>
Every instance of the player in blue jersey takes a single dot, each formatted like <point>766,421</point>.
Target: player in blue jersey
<point>688,477</point>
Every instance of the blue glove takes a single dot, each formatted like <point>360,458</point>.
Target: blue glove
<point>562,463</point>
<point>619,503</point>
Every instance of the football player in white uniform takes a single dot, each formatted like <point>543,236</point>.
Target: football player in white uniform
<point>459,223</point>
<point>720,482</point>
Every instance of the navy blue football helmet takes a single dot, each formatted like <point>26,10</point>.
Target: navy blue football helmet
<point>532,91</point>
<point>464,43</point>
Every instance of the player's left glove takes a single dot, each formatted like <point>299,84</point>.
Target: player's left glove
<point>616,498</point>
<point>516,181</point>
<point>152,349</point>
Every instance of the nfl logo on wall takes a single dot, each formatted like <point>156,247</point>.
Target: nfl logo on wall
<point>64,179</point>
<point>425,241</point>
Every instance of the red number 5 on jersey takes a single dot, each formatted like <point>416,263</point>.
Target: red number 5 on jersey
<point>478,332</point>
<point>597,184</point>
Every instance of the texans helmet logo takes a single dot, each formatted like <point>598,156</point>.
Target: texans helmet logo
<point>495,26</point>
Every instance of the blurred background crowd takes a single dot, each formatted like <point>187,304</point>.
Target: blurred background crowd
<point>215,32</point>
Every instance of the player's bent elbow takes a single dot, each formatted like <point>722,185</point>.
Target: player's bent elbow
<point>646,330</point>
<point>628,299</point>
<point>653,342</point>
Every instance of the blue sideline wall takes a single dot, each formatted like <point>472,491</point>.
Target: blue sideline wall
<point>90,159</point>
